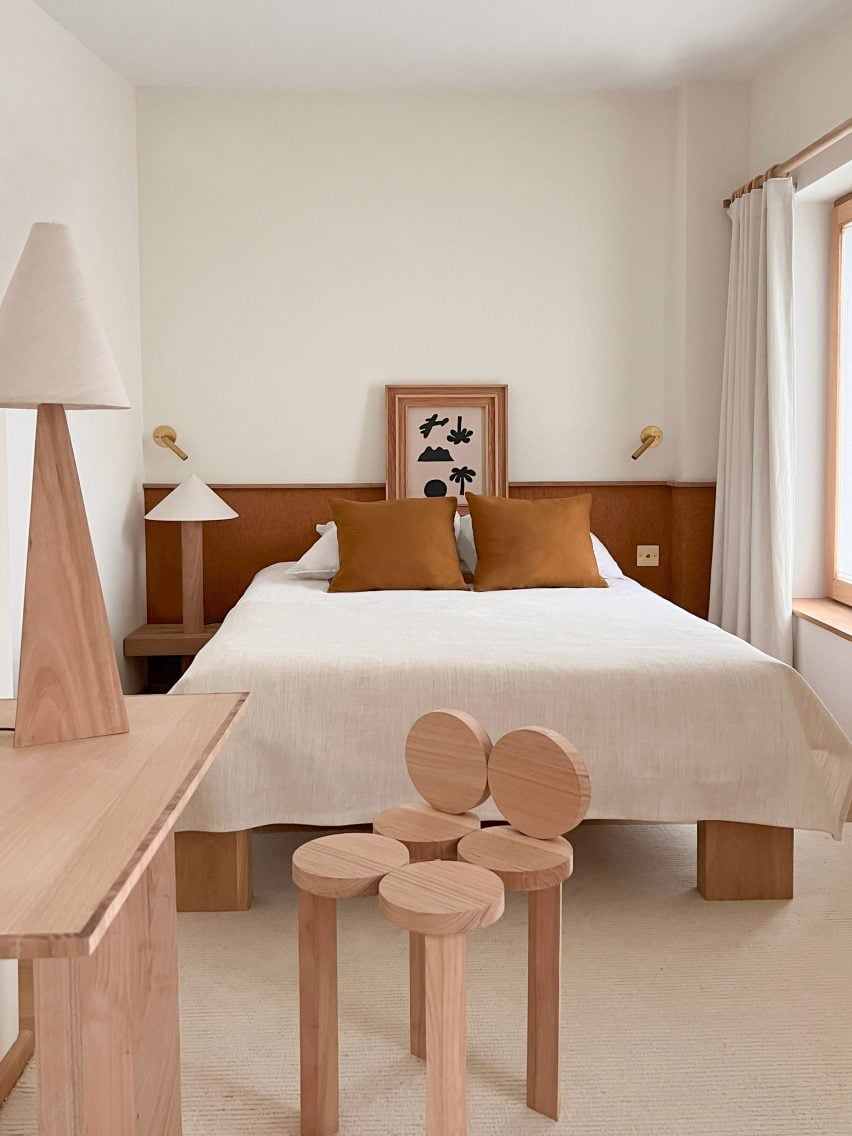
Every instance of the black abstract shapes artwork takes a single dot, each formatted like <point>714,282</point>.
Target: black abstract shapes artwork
<point>464,476</point>
<point>436,454</point>
<point>435,488</point>
<point>461,435</point>
<point>431,423</point>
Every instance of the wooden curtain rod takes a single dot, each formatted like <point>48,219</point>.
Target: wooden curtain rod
<point>783,169</point>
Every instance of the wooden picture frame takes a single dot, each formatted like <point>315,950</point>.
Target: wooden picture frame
<point>461,442</point>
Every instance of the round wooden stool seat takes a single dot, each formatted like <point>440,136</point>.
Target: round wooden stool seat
<point>441,897</point>
<point>346,865</point>
<point>425,832</point>
<point>522,862</point>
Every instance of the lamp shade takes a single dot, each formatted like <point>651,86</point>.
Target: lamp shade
<point>53,348</point>
<point>192,501</point>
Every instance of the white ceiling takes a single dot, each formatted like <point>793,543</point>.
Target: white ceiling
<point>439,44</point>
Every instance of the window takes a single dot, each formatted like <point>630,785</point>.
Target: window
<point>839,487</point>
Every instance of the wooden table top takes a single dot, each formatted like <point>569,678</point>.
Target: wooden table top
<point>80,821</point>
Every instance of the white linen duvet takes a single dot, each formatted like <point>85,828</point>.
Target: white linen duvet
<point>677,720</point>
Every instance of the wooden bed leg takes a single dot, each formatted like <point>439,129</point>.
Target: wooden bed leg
<point>213,870</point>
<point>744,861</point>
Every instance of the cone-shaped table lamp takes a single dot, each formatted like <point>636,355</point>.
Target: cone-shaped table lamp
<point>54,354</point>
<point>192,503</point>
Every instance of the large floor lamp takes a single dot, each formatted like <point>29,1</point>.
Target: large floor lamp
<point>54,355</point>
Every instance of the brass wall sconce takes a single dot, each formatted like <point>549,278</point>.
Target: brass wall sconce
<point>166,436</point>
<point>650,437</point>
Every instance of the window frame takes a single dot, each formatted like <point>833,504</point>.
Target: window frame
<point>841,219</point>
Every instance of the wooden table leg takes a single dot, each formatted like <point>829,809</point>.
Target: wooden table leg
<point>543,1000</point>
<point>107,1029</point>
<point>318,1037</point>
<point>446,1036</point>
<point>744,861</point>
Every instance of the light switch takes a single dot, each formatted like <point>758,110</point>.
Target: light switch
<point>647,556</point>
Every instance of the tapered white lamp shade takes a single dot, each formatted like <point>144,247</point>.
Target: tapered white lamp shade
<point>191,503</point>
<point>53,348</point>
<point>54,354</point>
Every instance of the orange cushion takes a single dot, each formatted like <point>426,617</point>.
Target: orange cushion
<point>396,544</point>
<point>533,544</point>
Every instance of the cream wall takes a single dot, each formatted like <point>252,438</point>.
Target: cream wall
<point>801,96</point>
<point>825,660</point>
<point>68,153</point>
<point>300,251</point>
<point>712,156</point>
<point>67,124</point>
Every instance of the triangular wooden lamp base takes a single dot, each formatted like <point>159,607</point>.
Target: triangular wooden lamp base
<point>69,686</point>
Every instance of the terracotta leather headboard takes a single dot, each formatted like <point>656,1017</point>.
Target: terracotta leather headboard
<point>276,522</point>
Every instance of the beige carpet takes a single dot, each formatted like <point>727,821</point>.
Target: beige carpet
<point>681,1018</point>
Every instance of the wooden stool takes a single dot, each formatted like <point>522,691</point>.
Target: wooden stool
<point>343,866</point>
<point>541,785</point>
<point>428,835</point>
<point>446,755</point>
<point>442,901</point>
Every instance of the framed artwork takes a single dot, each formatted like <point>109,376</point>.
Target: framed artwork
<point>444,440</point>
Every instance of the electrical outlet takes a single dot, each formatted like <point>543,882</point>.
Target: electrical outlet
<point>647,556</point>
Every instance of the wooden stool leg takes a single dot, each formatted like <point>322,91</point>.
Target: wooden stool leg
<point>417,960</point>
<point>318,1042</point>
<point>417,993</point>
<point>446,1036</point>
<point>107,1028</point>
<point>417,973</point>
<point>543,1000</point>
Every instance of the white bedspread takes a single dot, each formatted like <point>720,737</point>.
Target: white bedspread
<point>677,720</point>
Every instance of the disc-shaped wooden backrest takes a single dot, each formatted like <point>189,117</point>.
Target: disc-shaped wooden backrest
<point>539,782</point>
<point>446,753</point>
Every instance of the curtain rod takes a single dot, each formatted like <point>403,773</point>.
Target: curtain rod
<point>792,164</point>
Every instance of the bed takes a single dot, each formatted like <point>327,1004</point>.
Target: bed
<point>678,721</point>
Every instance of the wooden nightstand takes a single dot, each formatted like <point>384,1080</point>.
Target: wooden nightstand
<point>159,640</point>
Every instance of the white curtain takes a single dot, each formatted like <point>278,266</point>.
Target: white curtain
<point>751,588</point>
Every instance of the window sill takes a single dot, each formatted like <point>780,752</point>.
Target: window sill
<point>829,614</point>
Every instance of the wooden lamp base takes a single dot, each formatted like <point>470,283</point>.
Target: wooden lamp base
<point>69,686</point>
<point>192,571</point>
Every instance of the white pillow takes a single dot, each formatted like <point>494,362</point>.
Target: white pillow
<point>467,551</point>
<point>607,565</point>
<point>322,560</point>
